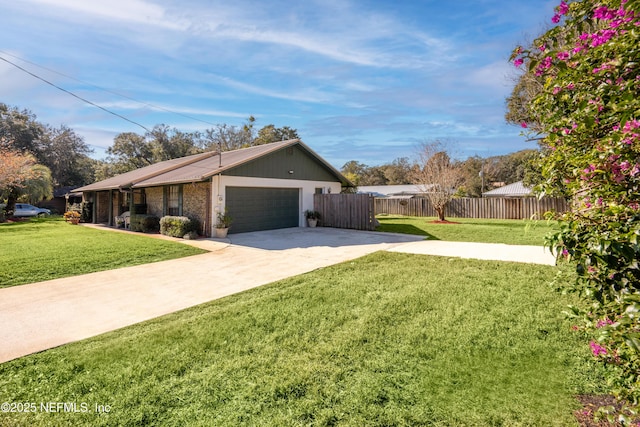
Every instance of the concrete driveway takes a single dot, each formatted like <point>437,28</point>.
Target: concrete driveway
<point>43,315</point>
<point>39,316</point>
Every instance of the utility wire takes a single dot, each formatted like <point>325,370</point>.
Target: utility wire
<point>110,91</point>
<point>73,94</point>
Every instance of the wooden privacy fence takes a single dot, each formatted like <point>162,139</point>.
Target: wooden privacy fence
<point>490,207</point>
<point>355,211</point>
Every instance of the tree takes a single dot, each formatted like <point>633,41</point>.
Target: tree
<point>65,153</point>
<point>129,151</point>
<point>270,133</point>
<point>472,171</point>
<point>166,143</point>
<point>38,187</point>
<point>21,176</point>
<point>60,149</point>
<point>353,171</point>
<point>398,172</point>
<point>19,130</point>
<point>226,138</point>
<point>436,175</point>
<point>589,115</point>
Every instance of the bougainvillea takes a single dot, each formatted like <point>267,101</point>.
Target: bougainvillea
<point>589,114</point>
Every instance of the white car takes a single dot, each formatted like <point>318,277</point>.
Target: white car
<point>24,209</point>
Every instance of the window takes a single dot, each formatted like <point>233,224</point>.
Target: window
<point>319,190</point>
<point>173,200</point>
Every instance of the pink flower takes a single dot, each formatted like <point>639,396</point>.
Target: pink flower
<point>543,47</point>
<point>523,125</point>
<point>518,62</point>
<point>563,56</point>
<point>555,19</point>
<point>597,349</point>
<point>544,65</point>
<point>556,90</point>
<point>603,13</point>
<point>604,322</point>
<point>563,8</point>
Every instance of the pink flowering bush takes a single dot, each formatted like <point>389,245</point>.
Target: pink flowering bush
<point>589,116</point>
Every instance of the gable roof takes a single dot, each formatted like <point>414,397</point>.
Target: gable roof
<point>517,189</point>
<point>200,167</point>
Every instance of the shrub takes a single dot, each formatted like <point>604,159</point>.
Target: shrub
<point>587,112</point>
<point>145,223</point>
<point>178,226</point>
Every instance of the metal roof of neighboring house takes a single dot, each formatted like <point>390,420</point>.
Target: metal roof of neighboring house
<point>199,167</point>
<point>517,189</point>
<point>392,190</point>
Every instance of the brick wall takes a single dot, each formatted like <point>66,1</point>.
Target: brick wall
<point>195,200</point>
<point>154,201</point>
<point>103,206</point>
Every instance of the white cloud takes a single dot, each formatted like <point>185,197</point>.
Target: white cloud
<point>133,105</point>
<point>132,11</point>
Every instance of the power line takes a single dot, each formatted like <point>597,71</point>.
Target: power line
<point>110,91</point>
<point>73,94</point>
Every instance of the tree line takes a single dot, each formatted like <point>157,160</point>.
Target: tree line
<point>476,174</point>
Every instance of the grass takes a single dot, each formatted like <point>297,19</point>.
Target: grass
<point>43,249</point>
<point>388,339</point>
<point>513,232</point>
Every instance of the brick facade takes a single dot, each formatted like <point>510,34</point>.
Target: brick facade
<point>196,199</point>
<point>155,197</point>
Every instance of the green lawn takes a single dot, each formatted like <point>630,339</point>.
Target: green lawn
<point>388,339</point>
<point>513,232</point>
<point>43,249</point>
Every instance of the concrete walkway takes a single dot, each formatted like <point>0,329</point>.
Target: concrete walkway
<point>39,316</point>
<point>484,251</point>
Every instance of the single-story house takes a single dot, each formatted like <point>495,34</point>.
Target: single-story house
<point>517,189</point>
<point>263,187</point>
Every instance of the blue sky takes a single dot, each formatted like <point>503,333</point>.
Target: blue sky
<point>359,80</point>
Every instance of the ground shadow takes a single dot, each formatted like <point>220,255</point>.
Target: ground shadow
<point>405,229</point>
<point>305,237</point>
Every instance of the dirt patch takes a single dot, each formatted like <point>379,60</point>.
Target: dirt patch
<point>16,219</point>
<point>585,416</point>
<point>437,221</point>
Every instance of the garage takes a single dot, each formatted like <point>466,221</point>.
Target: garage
<point>254,209</point>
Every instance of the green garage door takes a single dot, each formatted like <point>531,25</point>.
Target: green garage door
<point>254,209</point>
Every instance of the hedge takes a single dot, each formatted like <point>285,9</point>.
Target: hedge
<point>178,226</point>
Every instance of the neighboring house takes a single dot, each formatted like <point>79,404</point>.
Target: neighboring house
<point>393,191</point>
<point>517,189</point>
<point>62,198</point>
<point>263,187</point>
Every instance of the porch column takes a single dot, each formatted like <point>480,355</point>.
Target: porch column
<point>110,208</point>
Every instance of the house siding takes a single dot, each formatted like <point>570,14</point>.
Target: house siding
<point>278,165</point>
